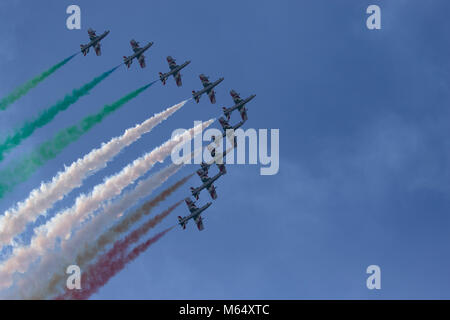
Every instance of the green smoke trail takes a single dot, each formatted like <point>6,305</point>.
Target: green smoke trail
<point>47,115</point>
<point>21,171</point>
<point>30,84</point>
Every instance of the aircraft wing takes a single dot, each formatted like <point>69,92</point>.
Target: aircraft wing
<point>177,77</point>
<point>199,221</point>
<point>243,112</point>
<point>92,34</point>
<point>212,96</point>
<point>202,172</point>
<point>135,45</point>
<point>236,96</point>
<point>212,192</point>
<point>142,61</point>
<point>84,49</point>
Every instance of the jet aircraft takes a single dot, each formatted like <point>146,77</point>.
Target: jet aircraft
<point>195,214</point>
<point>239,104</point>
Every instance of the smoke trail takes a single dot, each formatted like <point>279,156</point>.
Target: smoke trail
<point>64,223</point>
<point>85,245</point>
<point>27,86</point>
<point>93,248</point>
<point>104,269</point>
<point>120,246</point>
<point>41,199</point>
<point>111,235</point>
<point>47,115</point>
<point>20,171</point>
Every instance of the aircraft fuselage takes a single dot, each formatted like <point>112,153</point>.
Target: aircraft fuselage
<point>208,183</point>
<point>95,41</point>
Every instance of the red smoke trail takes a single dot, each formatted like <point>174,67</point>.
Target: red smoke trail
<point>98,274</point>
<point>120,246</point>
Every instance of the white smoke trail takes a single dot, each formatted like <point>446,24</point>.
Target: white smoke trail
<point>62,225</point>
<point>14,220</point>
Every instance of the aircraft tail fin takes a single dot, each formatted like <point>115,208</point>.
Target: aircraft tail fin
<point>196,97</point>
<point>163,79</point>
<point>194,193</point>
<point>127,61</point>
<point>226,113</point>
<point>183,224</point>
<point>222,168</point>
<point>84,49</point>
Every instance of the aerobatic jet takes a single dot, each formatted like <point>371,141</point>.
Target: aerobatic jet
<point>174,71</point>
<point>239,104</point>
<point>195,214</point>
<point>208,182</point>
<point>95,42</point>
<point>138,54</point>
<point>208,88</point>
<point>226,126</point>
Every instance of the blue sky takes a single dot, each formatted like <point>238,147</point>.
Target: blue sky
<point>364,150</point>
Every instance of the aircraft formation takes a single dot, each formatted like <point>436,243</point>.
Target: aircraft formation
<point>208,182</point>
<point>208,88</point>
